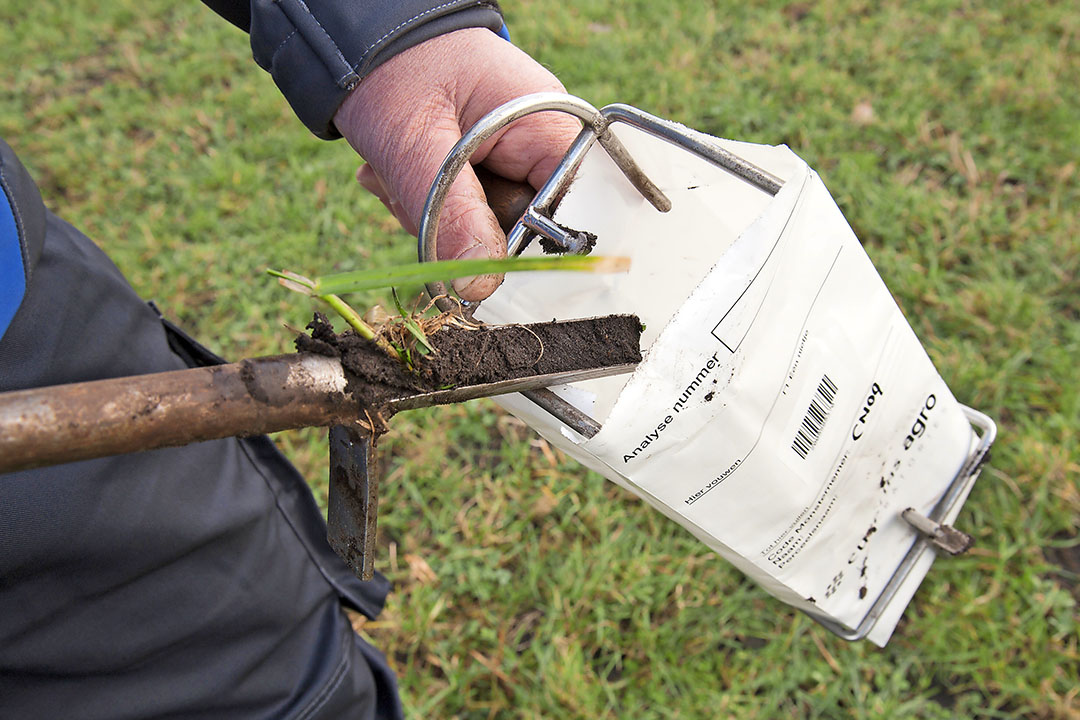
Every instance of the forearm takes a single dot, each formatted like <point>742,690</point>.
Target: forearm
<point>318,51</point>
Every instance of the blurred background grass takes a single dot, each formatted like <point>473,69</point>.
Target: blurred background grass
<point>525,585</point>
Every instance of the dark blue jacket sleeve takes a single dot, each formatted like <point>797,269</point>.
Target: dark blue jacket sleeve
<point>319,50</point>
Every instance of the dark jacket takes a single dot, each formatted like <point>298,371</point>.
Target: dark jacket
<point>319,50</point>
<point>189,582</point>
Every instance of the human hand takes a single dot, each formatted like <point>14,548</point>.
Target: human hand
<point>409,112</point>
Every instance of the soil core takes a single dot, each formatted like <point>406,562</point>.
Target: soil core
<point>471,356</point>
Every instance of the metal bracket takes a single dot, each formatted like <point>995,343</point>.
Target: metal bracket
<point>943,537</point>
<point>353,502</point>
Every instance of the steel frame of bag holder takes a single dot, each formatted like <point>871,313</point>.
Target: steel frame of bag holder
<point>934,535</point>
<point>538,220</point>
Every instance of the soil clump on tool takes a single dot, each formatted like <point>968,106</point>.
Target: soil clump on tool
<point>476,354</point>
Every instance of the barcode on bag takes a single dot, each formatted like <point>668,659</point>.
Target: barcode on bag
<point>815,418</point>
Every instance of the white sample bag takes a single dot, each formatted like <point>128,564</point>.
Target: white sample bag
<point>784,413</point>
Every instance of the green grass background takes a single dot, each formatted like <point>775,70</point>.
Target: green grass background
<point>526,586</point>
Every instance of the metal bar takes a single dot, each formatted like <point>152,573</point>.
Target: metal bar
<point>633,172</point>
<point>944,537</point>
<point>461,153</point>
<point>501,387</point>
<point>569,242</point>
<point>353,500</point>
<point>559,182</point>
<point>694,142</point>
<point>569,415</point>
<point>553,189</point>
<point>459,156</point>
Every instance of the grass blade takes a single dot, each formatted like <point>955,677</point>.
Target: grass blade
<point>449,269</point>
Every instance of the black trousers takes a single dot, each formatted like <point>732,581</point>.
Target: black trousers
<point>187,582</point>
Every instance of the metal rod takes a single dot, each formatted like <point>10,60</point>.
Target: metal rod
<point>633,172</point>
<point>501,387</point>
<point>555,187</point>
<point>461,153</point>
<point>569,242</point>
<point>569,415</point>
<point>52,425</point>
<point>944,537</point>
<point>694,142</point>
<point>459,156</point>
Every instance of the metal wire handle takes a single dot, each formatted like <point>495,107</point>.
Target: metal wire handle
<point>595,129</point>
<point>487,126</point>
<point>537,218</point>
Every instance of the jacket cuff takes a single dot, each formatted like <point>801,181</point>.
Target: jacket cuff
<point>318,51</point>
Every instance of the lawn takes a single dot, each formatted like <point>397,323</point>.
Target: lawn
<point>526,586</point>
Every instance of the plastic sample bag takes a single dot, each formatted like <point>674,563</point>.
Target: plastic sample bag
<point>784,413</point>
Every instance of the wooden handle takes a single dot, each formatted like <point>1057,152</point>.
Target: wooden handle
<point>508,199</point>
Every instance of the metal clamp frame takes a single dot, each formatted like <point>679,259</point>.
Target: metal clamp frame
<point>958,489</point>
<point>537,219</point>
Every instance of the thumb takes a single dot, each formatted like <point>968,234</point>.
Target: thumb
<point>404,151</point>
<point>467,227</point>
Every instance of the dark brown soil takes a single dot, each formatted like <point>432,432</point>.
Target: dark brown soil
<point>469,357</point>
